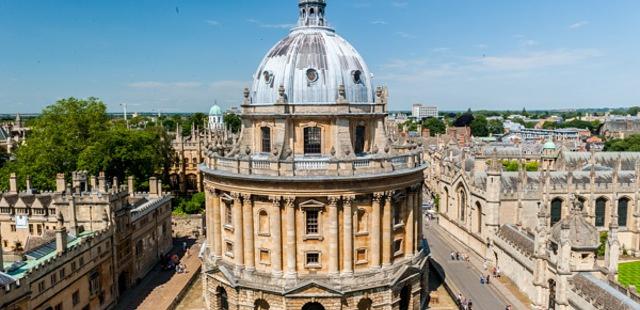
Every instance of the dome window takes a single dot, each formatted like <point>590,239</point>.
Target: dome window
<point>267,76</point>
<point>312,75</point>
<point>357,76</point>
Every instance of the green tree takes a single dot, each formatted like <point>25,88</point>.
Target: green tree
<point>510,165</point>
<point>233,121</point>
<point>195,205</point>
<point>495,127</point>
<point>603,243</point>
<point>532,166</point>
<point>479,127</point>
<point>630,144</point>
<point>435,125</point>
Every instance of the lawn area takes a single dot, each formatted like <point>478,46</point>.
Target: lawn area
<point>629,273</point>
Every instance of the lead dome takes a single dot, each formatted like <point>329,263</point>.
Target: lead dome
<point>312,63</point>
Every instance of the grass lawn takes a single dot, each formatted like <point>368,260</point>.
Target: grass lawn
<point>629,273</point>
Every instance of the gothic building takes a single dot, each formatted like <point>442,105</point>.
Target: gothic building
<point>541,228</point>
<point>315,206</point>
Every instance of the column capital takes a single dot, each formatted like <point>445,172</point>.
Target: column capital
<point>389,194</point>
<point>246,197</point>
<point>378,196</point>
<point>289,201</point>
<point>235,195</point>
<point>333,200</point>
<point>275,199</point>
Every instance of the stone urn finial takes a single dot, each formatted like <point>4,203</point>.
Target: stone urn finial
<point>247,150</point>
<point>386,149</point>
<point>375,149</point>
<point>333,151</point>
<point>281,91</point>
<point>342,92</point>
<point>246,93</point>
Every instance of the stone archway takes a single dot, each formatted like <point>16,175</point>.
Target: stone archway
<point>405,297</point>
<point>261,304</point>
<point>552,294</point>
<point>312,306</point>
<point>365,304</point>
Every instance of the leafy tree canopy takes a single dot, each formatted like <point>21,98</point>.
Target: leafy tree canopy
<point>435,125</point>
<point>76,134</point>
<point>630,144</point>
<point>233,121</point>
<point>479,127</point>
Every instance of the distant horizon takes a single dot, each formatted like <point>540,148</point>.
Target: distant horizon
<point>177,56</point>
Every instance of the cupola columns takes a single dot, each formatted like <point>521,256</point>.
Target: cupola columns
<point>312,13</point>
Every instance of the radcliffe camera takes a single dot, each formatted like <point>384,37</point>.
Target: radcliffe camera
<point>319,155</point>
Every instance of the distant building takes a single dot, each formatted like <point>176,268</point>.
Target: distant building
<point>12,134</point>
<point>216,118</point>
<point>81,246</point>
<point>420,111</point>
<point>620,127</point>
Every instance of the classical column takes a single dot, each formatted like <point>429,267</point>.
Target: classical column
<point>409,240</point>
<point>216,227</point>
<point>347,235</point>
<point>333,235</point>
<point>238,251</point>
<point>375,230</point>
<point>247,220</point>
<point>387,231</point>
<point>276,236</point>
<point>418,219</point>
<point>291,237</point>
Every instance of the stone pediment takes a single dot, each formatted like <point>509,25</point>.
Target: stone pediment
<point>312,203</point>
<point>404,273</point>
<point>313,288</point>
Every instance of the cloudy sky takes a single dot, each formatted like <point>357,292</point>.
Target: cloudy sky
<point>181,56</point>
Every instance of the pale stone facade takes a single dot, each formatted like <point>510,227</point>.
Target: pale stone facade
<point>82,245</point>
<point>315,206</point>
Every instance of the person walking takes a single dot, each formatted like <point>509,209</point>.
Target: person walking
<point>487,279</point>
<point>469,305</point>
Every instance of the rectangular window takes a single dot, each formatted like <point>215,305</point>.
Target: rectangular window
<point>94,283</point>
<point>361,256</point>
<point>312,222</point>
<point>313,259</point>
<point>312,141</point>
<point>397,213</point>
<point>266,139</point>
<point>81,261</point>
<point>62,273</point>
<point>41,287</point>
<point>13,228</point>
<point>39,228</point>
<point>31,229</point>
<point>228,214</point>
<point>58,307</point>
<point>75,298</point>
<point>359,143</point>
<point>397,247</point>
<point>264,256</point>
<point>74,266</point>
<point>54,279</point>
<point>228,248</point>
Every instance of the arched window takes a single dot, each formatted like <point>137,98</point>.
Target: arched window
<point>601,209</point>
<point>446,201</point>
<point>313,306</point>
<point>623,207</point>
<point>462,203</point>
<point>266,139</point>
<point>192,182</point>
<point>479,219</point>
<point>556,211</point>
<point>312,141</point>
<point>263,222</point>
<point>361,220</point>
<point>359,141</point>
<point>405,297</point>
<point>365,304</point>
<point>261,304</point>
<point>228,214</point>
<point>223,303</point>
<point>397,212</point>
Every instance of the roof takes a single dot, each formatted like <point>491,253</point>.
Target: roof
<point>215,110</point>
<point>312,63</point>
<point>549,145</point>
<point>582,234</point>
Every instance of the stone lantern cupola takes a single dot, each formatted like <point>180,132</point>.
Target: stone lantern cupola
<point>312,13</point>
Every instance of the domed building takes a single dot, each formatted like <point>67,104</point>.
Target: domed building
<point>315,205</point>
<point>216,118</point>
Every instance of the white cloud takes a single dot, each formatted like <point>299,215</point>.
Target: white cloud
<point>379,22</point>
<point>579,24</point>
<point>213,22</point>
<point>535,60</point>
<point>400,4</point>
<point>405,35</point>
<point>164,85</point>
<point>529,43</point>
<point>263,25</point>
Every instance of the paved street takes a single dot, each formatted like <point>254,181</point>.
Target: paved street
<point>464,276</point>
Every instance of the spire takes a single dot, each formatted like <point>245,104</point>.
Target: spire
<point>312,13</point>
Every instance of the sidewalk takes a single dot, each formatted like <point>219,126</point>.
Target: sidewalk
<point>160,289</point>
<point>475,266</point>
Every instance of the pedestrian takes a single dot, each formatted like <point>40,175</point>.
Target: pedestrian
<point>453,255</point>
<point>457,255</point>
<point>488,277</point>
<point>459,299</point>
<point>508,307</point>
<point>469,305</point>
<point>481,279</point>
<point>484,265</point>
<point>184,246</point>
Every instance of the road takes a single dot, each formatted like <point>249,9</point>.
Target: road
<point>462,274</point>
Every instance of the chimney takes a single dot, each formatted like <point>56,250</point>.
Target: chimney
<point>116,186</point>
<point>160,188</point>
<point>61,186</point>
<point>28,183</point>
<point>61,235</point>
<point>131,186</point>
<point>13,184</point>
<point>153,187</point>
<point>94,183</point>
<point>102,183</point>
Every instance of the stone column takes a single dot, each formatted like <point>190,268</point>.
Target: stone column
<point>216,227</point>
<point>333,235</point>
<point>247,220</point>
<point>387,231</point>
<point>375,230</point>
<point>418,219</point>
<point>409,240</point>
<point>347,212</point>
<point>238,247</point>
<point>291,237</point>
<point>276,236</point>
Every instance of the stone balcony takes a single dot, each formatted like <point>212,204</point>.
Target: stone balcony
<point>309,168</point>
<point>314,109</point>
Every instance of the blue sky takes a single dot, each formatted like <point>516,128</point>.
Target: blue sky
<point>180,56</point>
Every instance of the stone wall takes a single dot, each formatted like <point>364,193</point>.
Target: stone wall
<point>191,226</point>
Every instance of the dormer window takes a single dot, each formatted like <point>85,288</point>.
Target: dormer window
<point>267,76</point>
<point>357,76</point>
<point>312,75</point>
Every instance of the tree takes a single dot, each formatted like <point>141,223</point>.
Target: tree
<point>195,205</point>
<point>479,127</point>
<point>75,134</point>
<point>435,125</point>
<point>630,144</point>
<point>510,165</point>
<point>532,166</point>
<point>495,127</point>
<point>233,121</point>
